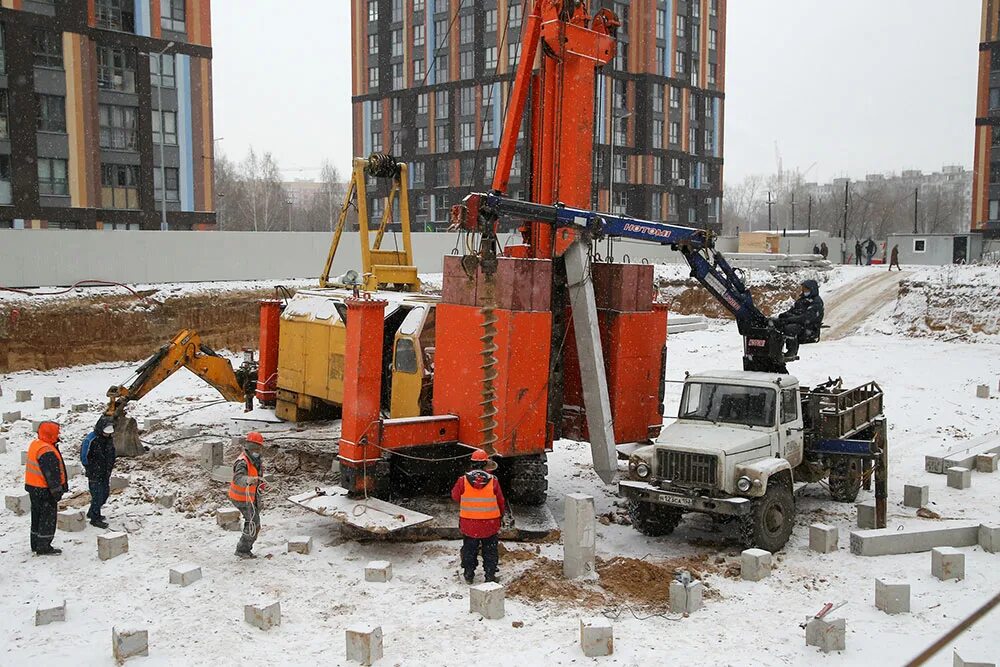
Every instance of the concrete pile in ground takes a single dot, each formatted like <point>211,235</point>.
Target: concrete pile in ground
<point>596,637</point>
<point>579,537</point>
<point>364,643</point>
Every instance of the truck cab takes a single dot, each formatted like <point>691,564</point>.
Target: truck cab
<point>737,437</point>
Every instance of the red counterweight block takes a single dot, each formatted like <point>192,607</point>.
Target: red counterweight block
<point>522,338</point>
<point>633,339</point>
<point>267,363</point>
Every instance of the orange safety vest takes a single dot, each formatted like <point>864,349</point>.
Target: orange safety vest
<point>33,471</point>
<point>244,494</point>
<point>479,503</point>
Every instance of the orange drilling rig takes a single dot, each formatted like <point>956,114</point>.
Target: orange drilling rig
<point>533,342</point>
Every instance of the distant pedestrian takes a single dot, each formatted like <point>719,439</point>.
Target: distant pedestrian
<point>481,506</point>
<point>857,252</point>
<point>894,258</point>
<point>97,454</point>
<point>815,249</point>
<point>870,249</point>
<point>823,250</point>
<point>45,482</point>
<point>244,491</point>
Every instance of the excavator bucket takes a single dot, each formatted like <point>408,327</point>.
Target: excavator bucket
<point>126,437</point>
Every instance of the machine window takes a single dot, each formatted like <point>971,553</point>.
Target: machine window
<point>789,405</point>
<point>406,356</point>
<point>729,404</point>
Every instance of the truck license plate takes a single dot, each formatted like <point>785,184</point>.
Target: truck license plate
<point>678,500</point>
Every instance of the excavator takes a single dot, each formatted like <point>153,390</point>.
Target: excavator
<point>185,351</point>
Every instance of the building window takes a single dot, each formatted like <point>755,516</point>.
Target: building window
<point>692,141</point>
<point>709,107</point>
<point>120,186</point>
<point>620,63</point>
<point>920,245</point>
<point>675,133</point>
<point>657,175</point>
<point>467,29</point>
<point>695,37</point>
<point>119,129</point>
<point>397,142</point>
<point>486,92</point>
<point>442,138</point>
<point>376,140</point>
<point>994,98</point>
<point>675,172</point>
<point>422,100</point>
<point>397,11</point>
<point>487,130</point>
<point>694,72</point>
<point>4,131</point>
<point>658,133</point>
<point>661,56</point>
<point>713,38</point>
<point>491,20</point>
<point>375,109</point>
<point>466,167</point>
<point>467,102</point>
<point>166,79</point>
<point>422,139</point>
<point>713,70</point>
<point>3,53</point>
<point>514,16</point>
<point>373,10</point>
<point>419,71</point>
<point>373,77</point>
<point>654,206</point>
<point>52,179</point>
<point>681,66</point>
<point>116,69</point>
<point>466,64</point>
<point>515,166</point>
<point>467,134</point>
<point>172,15</point>
<point>47,48</point>
<point>996,135</point>
<point>397,43</point>
<point>51,113</point>
<point>713,7</point>
<point>419,35</point>
<point>418,171</point>
<point>173,190</point>
<point>675,98</point>
<point>513,54</point>
<point>709,142</point>
<point>661,20</point>
<point>397,76</point>
<point>441,68</point>
<point>491,60</point>
<point>169,126</point>
<point>618,94</point>
<point>117,14</point>
<point>5,189</point>
<point>621,168</point>
<point>695,10</point>
<point>418,5</point>
<point>681,25</point>
<point>443,173</point>
<point>621,202</point>
<point>442,107</point>
<point>373,45</point>
<point>620,130</point>
<point>994,173</point>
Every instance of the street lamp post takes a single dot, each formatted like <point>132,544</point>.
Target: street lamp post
<point>163,138</point>
<point>615,115</point>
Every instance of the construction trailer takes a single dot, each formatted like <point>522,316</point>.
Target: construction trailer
<point>937,249</point>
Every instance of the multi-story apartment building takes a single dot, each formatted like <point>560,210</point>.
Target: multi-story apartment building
<point>93,94</point>
<point>986,179</point>
<point>431,79</point>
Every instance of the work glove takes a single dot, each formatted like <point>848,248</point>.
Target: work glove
<point>507,520</point>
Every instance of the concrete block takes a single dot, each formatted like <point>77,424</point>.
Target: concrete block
<point>487,600</point>
<point>947,563</point>
<point>264,615</point>
<point>22,395</point>
<point>755,564</point>
<point>866,514</point>
<point>889,541</point>
<point>73,469</point>
<point>823,538</point>
<point>579,536</point>
<point>211,455</point>
<point>72,521</point>
<point>826,634</point>
<point>79,407</point>
<point>958,661</point>
<point>151,423</point>
<point>963,457</point>
<point>51,402</point>
<point>892,597</point>
<point>118,482</point>
<point>959,478</point>
<point>11,417</point>
<point>378,571</point>
<point>989,537</point>
<point>50,612</point>
<point>982,391</point>
<point>987,462</point>
<point>915,496</point>
<point>166,500</point>
<point>229,518</point>
<point>596,637</point>
<point>686,598</point>
<point>3,445</point>
<point>111,545</point>
<point>18,503</point>
<point>364,643</point>
<point>189,432</point>
<point>36,424</point>
<point>185,574</point>
<point>128,643</point>
<point>304,545</point>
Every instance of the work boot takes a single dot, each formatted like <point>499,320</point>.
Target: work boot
<point>48,551</point>
<point>491,578</point>
<point>245,555</point>
<point>98,523</point>
<point>470,576</point>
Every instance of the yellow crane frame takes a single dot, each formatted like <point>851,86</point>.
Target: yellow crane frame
<point>391,269</point>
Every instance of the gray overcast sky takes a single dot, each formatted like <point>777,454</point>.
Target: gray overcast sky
<point>854,86</point>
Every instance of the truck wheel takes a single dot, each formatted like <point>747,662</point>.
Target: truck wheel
<point>526,479</point>
<point>769,524</point>
<point>845,479</point>
<point>652,519</point>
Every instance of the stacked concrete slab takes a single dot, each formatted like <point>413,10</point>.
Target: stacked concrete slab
<point>963,457</point>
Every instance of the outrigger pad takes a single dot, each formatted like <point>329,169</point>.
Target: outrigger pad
<point>368,514</point>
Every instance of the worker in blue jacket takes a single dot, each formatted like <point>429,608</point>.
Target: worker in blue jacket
<point>98,457</point>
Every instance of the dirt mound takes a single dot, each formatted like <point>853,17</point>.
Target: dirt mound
<point>543,582</point>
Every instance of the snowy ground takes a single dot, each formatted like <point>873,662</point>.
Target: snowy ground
<point>423,611</point>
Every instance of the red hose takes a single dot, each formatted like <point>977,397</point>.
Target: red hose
<point>80,283</point>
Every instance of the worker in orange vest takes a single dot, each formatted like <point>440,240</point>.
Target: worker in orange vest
<point>481,505</point>
<point>45,482</point>
<point>244,490</point>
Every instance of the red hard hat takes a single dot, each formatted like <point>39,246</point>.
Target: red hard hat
<point>480,455</point>
<point>254,436</point>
